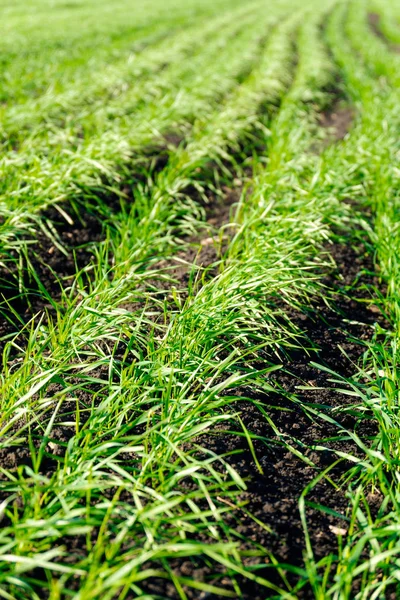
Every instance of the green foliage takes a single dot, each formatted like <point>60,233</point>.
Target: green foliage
<point>110,388</point>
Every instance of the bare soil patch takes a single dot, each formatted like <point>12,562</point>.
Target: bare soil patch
<point>374,22</point>
<point>338,120</point>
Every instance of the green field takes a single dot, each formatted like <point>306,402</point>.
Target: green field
<point>199,299</point>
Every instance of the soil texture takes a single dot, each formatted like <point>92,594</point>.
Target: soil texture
<point>374,22</point>
<point>337,120</point>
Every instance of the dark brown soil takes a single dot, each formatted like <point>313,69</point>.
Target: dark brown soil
<point>374,22</point>
<point>338,119</point>
<point>335,118</point>
<point>54,263</point>
<point>202,251</point>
